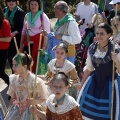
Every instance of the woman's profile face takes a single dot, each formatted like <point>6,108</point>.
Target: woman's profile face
<point>16,67</point>
<point>34,7</point>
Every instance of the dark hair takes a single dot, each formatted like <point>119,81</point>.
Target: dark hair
<point>62,77</point>
<point>1,17</point>
<point>63,45</point>
<point>38,1</point>
<point>106,27</point>
<point>25,59</point>
<point>62,5</point>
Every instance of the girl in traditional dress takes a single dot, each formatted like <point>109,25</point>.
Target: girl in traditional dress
<point>96,87</point>
<point>60,106</point>
<point>20,100</point>
<point>61,64</point>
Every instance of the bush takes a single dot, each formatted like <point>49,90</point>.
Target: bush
<point>48,5</point>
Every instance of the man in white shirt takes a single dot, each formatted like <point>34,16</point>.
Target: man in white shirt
<point>65,29</point>
<point>84,13</point>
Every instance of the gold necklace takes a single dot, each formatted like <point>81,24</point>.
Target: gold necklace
<point>57,68</point>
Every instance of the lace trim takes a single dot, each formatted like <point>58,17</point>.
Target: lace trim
<point>67,67</point>
<point>107,58</point>
<point>68,104</point>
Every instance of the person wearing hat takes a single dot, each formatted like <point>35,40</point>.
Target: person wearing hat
<point>112,12</point>
<point>15,16</point>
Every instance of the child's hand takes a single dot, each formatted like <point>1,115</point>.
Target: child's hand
<point>30,101</point>
<point>33,109</point>
<point>114,57</point>
<point>44,33</point>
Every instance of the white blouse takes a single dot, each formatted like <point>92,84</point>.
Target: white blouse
<point>67,67</point>
<point>97,54</point>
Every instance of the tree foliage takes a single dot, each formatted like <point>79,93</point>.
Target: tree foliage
<point>48,5</point>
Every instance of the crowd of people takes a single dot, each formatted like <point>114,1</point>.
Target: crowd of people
<point>83,77</point>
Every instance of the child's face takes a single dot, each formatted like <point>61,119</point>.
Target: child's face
<point>59,88</point>
<point>102,36</point>
<point>16,68</point>
<point>60,54</point>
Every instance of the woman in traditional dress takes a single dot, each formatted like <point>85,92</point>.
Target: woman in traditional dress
<point>60,106</point>
<point>20,99</point>
<point>96,87</point>
<point>15,15</point>
<point>34,22</point>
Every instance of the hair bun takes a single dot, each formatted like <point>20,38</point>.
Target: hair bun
<point>63,45</point>
<point>29,58</point>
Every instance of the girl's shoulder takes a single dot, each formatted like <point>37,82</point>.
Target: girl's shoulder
<point>13,78</point>
<point>68,63</point>
<point>50,98</point>
<point>32,77</point>
<point>52,62</point>
<point>68,66</point>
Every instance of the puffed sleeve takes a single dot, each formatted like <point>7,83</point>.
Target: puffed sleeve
<point>89,65</point>
<point>41,89</point>
<point>74,36</point>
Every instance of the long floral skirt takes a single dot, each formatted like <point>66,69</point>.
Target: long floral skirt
<point>14,114</point>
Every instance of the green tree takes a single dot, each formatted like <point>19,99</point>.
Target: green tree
<point>48,5</point>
